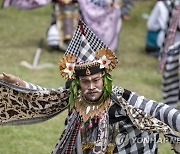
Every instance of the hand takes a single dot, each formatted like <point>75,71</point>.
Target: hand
<point>9,78</point>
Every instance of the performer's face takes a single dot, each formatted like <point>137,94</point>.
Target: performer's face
<point>91,86</point>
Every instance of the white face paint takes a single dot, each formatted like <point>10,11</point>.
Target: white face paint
<point>90,79</point>
<point>91,83</point>
<point>91,86</point>
<point>93,98</point>
<point>95,90</point>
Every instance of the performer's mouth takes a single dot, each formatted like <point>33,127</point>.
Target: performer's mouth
<point>91,93</point>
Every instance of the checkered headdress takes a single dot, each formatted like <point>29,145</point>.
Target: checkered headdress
<point>86,54</point>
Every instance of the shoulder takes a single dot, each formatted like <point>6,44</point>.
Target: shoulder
<point>121,91</point>
<point>117,90</point>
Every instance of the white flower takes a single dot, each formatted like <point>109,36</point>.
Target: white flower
<point>104,62</point>
<point>69,69</point>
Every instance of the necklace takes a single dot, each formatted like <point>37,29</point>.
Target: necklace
<point>88,109</point>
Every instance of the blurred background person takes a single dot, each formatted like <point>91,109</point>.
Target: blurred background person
<point>102,17</point>
<point>169,61</point>
<point>126,8</point>
<point>63,22</point>
<point>156,27</point>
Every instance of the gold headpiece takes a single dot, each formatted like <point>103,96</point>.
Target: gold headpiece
<point>104,59</point>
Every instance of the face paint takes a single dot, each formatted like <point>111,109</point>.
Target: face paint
<point>95,90</point>
<point>91,86</point>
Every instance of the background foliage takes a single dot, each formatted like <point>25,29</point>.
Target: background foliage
<point>20,33</point>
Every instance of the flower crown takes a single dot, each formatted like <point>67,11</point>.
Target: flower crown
<point>104,59</point>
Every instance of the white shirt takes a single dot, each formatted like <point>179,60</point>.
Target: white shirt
<point>158,20</point>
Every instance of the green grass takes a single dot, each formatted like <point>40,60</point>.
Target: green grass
<point>20,32</point>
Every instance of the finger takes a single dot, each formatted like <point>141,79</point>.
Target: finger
<point>6,75</point>
<point>1,76</point>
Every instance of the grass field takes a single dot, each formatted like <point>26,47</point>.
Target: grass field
<point>20,33</point>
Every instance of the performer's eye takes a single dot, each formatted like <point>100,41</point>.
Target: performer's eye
<point>85,81</point>
<point>96,80</point>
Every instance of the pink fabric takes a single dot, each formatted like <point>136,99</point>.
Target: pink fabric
<point>105,22</point>
<point>26,4</point>
<point>170,37</point>
<point>172,29</point>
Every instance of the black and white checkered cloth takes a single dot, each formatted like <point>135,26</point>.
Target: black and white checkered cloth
<point>86,54</point>
<point>76,44</point>
<point>170,81</point>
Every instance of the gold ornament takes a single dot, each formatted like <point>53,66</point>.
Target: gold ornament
<point>110,56</point>
<point>67,63</point>
<point>88,72</point>
<point>90,109</point>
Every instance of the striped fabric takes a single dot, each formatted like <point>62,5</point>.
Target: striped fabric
<point>37,87</point>
<point>72,142</point>
<point>131,143</point>
<point>170,81</point>
<point>65,144</point>
<point>161,111</point>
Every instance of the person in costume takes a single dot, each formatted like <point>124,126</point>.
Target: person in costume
<point>63,23</point>
<point>100,114</point>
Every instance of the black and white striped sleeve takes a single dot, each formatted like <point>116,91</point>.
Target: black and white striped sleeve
<point>161,111</point>
<point>36,87</point>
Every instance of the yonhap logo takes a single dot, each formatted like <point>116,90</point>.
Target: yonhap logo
<point>121,138</point>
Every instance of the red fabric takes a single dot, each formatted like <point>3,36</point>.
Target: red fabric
<point>72,141</point>
<point>82,28</point>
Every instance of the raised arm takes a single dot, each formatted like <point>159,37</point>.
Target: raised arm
<point>12,79</point>
<point>20,105</point>
<point>161,111</point>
